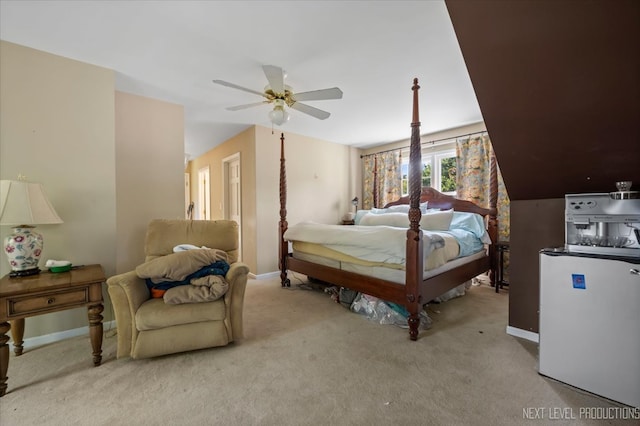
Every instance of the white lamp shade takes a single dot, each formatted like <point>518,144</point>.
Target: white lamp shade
<point>278,115</point>
<point>25,203</point>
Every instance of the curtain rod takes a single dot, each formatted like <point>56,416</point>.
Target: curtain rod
<point>425,143</point>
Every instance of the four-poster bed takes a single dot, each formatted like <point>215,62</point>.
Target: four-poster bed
<point>416,287</point>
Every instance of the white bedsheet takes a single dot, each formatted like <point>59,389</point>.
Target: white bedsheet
<point>372,243</point>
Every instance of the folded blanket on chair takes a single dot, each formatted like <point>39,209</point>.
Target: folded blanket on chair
<point>177,266</point>
<point>205,289</point>
<point>200,272</point>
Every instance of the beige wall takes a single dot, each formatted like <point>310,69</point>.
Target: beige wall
<point>57,128</point>
<point>321,181</point>
<point>95,151</point>
<point>428,137</point>
<point>244,144</point>
<point>149,139</point>
<point>318,187</point>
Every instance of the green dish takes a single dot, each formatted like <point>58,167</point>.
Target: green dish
<point>57,269</point>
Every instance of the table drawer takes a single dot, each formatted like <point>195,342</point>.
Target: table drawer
<point>40,303</point>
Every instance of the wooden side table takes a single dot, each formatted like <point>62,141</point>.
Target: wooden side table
<point>502,247</point>
<point>23,297</point>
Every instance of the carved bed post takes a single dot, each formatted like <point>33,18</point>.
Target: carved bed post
<point>375,181</point>
<point>283,249</point>
<point>414,272</point>
<point>493,218</point>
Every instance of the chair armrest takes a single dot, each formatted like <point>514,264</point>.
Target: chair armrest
<point>134,288</point>
<point>127,292</point>
<point>236,270</point>
<point>234,297</point>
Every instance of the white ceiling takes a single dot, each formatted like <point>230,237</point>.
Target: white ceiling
<point>172,50</point>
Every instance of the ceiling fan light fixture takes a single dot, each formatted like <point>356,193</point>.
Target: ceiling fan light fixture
<point>278,115</point>
<point>282,95</point>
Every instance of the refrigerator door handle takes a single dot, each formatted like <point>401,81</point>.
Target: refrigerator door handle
<point>634,272</point>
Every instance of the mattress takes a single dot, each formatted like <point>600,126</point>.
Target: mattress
<point>448,250</point>
<point>439,261</point>
<point>385,244</point>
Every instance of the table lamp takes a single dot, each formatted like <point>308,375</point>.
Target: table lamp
<point>22,205</point>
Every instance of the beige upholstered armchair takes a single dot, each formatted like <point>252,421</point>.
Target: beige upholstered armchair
<point>150,327</point>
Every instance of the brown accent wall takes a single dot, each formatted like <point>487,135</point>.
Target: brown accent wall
<point>558,83</point>
<point>535,224</point>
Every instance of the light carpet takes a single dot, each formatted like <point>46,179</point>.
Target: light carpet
<point>305,360</point>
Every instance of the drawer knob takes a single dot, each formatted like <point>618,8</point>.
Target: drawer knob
<point>51,300</point>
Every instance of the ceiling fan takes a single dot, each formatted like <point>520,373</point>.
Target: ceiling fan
<point>281,95</point>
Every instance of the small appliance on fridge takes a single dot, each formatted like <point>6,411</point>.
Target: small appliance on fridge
<point>590,298</point>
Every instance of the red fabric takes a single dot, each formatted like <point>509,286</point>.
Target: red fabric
<point>157,293</point>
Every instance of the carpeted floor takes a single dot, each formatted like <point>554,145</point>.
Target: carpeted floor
<point>306,360</point>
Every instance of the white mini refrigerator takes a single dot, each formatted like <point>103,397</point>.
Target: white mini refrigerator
<point>590,323</point>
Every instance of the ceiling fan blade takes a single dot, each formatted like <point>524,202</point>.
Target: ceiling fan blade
<point>235,86</point>
<point>314,112</point>
<point>319,95</point>
<point>245,106</point>
<point>275,76</point>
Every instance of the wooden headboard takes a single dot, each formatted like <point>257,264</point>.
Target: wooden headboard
<point>438,200</point>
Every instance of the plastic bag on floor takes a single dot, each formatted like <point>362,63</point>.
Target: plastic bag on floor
<point>346,297</point>
<point>386,312</point>
<point>454,292</point>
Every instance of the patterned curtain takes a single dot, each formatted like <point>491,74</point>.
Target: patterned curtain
<point>381,179</point>
<point>473,171</point>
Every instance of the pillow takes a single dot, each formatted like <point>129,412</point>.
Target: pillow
<point>430,221</point>
<point>471,222</point>
<point>436,220</point>
<point>359,215</point>
<point>400,220</point>
<point>400,208</point>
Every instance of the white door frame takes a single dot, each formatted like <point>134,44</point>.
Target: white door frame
<point>226,211</point>
<point>187,195</point>
<point>204,194</point>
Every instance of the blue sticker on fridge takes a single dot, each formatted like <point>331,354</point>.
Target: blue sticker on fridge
<point>578,281</point>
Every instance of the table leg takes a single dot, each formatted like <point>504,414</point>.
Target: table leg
<point>95,331</point>
<point>500,266</point>
<point>4,356</point>
<point>17,332</point>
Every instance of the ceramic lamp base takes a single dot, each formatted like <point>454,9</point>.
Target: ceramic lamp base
<point>23,248</point>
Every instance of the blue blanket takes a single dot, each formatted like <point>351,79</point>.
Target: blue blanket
<point>219,267</point>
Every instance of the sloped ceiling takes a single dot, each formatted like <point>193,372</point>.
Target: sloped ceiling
<point>558,83</point>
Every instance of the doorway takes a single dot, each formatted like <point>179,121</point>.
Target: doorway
<point>232,197</point>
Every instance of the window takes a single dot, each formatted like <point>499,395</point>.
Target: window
<point>439,171</point>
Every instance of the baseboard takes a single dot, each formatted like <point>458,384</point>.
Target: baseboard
<point>33,342</point>
<point>523,334</point>
<point>267,276</point>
